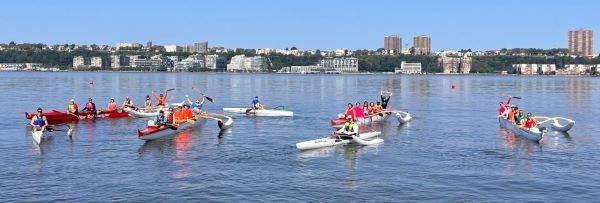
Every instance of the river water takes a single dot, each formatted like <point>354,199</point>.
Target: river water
<point>453,149</point>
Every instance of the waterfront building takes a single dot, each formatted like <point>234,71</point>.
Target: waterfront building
<point>20,66</point>
<point>156,61</point>
<point>409,68</point>
<point>581,42</point>
<point>80,62</point>
<point>422,45</point>
<point>526,69</point>
<point>243,63</point>
<point>173,48</point>
<point>577,69</point>
<point>341,64</point>
<point>392,44</point>
<point>215,62</point>
<point>341,52</point>
<point>265,51</point>
<point>455,64</point>
<point>128,45</point>
<point>118,61</point>
<point>97,62</point>
<point>200,47</point>
<point>192,61</point>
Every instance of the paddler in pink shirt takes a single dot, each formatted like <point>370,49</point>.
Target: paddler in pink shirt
<point>359,113</point>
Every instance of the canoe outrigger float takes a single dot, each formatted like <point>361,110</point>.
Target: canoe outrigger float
<point>556,125</point>
<point>403,117</point>
<point>533,134</point>
<point>334,141</point>
<point>153,132</point>
<point>260,112</point>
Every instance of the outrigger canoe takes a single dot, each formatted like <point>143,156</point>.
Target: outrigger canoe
<point>150,111</point>
<point>533,134</point>
<point>152,132</point>
<point>334,141</point>
<point>56,116</point>
<point>261,112</point>
<point>403,117</point>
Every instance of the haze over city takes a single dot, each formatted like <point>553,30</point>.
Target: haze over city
<point>326,25</point>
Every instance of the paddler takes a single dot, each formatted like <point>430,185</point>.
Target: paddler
<point>112,105</point>
<point>127,103</point>
<point>148,102</point>
<point>385,99</point>
<point>72,108</point>
<point>520,118</point>
<point>89,106</point>
<point>504,107</point>
<point>39,121</point>
<point>161,99</point>
<point>350,110</point>
<point>161,119</point>
<point>349,127</point>
<point>197,105</point>
<point>187,112</point>
<point>256,105</point>
<point>359,114</point>
<point>179,115</point>
<point>530,122</point>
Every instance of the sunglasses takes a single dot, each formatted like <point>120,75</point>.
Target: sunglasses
<point>39,111</point>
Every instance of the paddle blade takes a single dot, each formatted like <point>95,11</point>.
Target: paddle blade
<point>209,99</point>
<point>248,110</point>
<point>517,97</point>
<point>170,89</point>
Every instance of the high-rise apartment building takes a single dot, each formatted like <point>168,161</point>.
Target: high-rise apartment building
<point>392,44</point>
<point>422,45</point>
<point>581,42</point>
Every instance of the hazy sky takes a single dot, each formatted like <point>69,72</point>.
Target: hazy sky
<point>306,24</point>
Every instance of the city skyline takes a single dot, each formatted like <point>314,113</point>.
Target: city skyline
<point>321,25</point>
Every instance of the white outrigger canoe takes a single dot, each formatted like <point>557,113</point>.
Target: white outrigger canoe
<point>334,141</point>
<point>533,134</point>
<point>261,112</point>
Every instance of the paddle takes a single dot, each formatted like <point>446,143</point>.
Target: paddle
<point>207,97</point>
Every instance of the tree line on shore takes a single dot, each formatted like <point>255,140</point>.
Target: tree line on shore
<point>367,61</point>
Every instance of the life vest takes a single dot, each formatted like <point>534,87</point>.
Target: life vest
<point>89,106</point>
<point>112,106</point>
<point>160,102</point>
<point>148,103</point>
<point>72,107</point>
<point>39,121</point>
<point>170,118</point>
<point>161,119</point>
<point>349,127</point>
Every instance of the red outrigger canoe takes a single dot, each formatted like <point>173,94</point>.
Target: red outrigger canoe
<point>56,116</point>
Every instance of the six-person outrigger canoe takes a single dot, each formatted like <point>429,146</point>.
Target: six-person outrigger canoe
<point>403,117</point>
<point>153,132</point>
<point>534,134</point>
<point>260,112</point>
<point>56,116</point>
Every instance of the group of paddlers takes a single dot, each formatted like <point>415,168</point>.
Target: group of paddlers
<point>517,116</point>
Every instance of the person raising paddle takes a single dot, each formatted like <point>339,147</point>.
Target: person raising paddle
<point>161,100</point>
<point>39,121</point>
<point>385,99</point>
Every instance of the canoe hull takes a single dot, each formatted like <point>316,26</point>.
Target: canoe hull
<point>339,123</point>
<point>37,136</point>
<point>533,134</point>
<point>330,142</point>
<point>56,116</point>
<point>263,112</point>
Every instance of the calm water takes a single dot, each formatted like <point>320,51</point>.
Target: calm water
<point>453,150</point>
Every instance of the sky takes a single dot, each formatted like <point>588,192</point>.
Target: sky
<point>306,24</point>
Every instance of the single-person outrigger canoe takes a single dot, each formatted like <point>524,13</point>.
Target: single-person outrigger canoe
<point>333,141</point>
<point>260,112</point>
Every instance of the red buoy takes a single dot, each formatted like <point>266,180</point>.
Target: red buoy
<point>91,82</point>
<point>453,86</point>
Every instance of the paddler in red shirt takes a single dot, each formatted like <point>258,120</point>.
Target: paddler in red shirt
<point>530,122</point>
<point>503,106</point>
